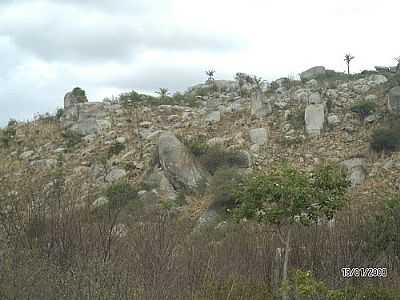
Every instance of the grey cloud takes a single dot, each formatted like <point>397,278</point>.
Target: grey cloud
<point>70,35</point>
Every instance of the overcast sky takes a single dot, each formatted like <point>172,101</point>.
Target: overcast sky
<point>107,46</point>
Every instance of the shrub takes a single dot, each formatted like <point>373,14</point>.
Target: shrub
<point>71,138</point>
<point>8,134</point>
<point>223,187</point>
<point>197,145</point>
<point>386,139</point>
<point>297,119</point>
<point>80,94</point>
<point>364,108</point>
<point>217,157</point>
<point>116,148</point>
<point>120,194</point>
<point>59,114</point>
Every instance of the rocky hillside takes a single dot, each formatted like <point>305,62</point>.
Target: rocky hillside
<point>127,198</point>
<point>305,123</point>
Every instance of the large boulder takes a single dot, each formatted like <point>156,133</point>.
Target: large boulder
<point>260,107</point>
<point>313,73</point>
<point>356,169</point>
<point>394,100</point>
<point>179,165</point>
<point>314,119</point>
<point>77,95</point>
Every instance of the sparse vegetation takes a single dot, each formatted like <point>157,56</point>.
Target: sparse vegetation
<point>386,139</point>
<point>364,108</point>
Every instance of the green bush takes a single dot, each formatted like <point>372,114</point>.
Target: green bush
<point>59,113</point>
<point>364,108</point>
<point>218,157</point>
<point>8,134</point>
<point>71,138</point>
<point>223,186</point>
<point>297,118</point>
<point>196,145</point>
<point>386,139</point>
<point>80,94</point>
<point>116,148</point>
<point>120,194</point>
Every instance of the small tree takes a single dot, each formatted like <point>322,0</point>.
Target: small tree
<point>348,58</point>
<point>210,74</point>
<point>287,196</point>
<point>163,92</point>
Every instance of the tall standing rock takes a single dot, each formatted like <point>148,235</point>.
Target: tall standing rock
<point>314,119</point>
<point>394,100</point>
<point>260,107</point>
<point>179,166</point>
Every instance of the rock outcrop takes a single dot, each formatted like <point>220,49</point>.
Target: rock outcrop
<point>314,119</point>
<point>356,169</point>
<point>394,100</point>
<point>260,107</point>
<point>313,73</point>
<point>83,117</point>
<point>179,166</point>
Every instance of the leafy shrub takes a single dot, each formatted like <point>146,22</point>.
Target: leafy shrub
<point>286,196</point>
<point>223,186</point>
<point>116,148</point>
<point>383,229</point>
<point>80,94</point>
<point>71,138</point>
<point>297,119</point>
<point>120,194</point>
<point>364,108</point>
<point>386,139</point>
<point>8,134</point>
<point>196,145</point>
<point>59,113</point>
<point>218,157</point>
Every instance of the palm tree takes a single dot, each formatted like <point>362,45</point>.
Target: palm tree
<point>163,92</point>
<point>348,58</point>
<point>210,74</point>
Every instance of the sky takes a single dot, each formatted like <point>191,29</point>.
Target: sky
<point>48,47</point>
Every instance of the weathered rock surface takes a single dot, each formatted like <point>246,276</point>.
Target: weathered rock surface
<point>258,136</point>
<point>76,96</point>
<point>260,107</point>
<point>180,167</point>
<point>356,169</point>
<point>394,100</point>
<point>312,73</point>
<point>314,119</point>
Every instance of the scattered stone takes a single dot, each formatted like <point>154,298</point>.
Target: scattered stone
<point>26,154</point>
<point>259,136</point>
<point>44,163</point>
<point>100,202</point>
<point>333,120</point>
<point>115,175</point>
<point>213,116</point>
